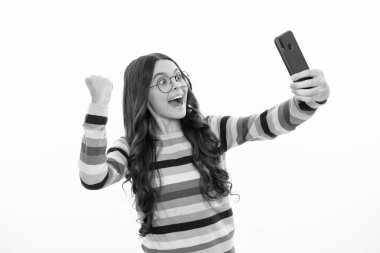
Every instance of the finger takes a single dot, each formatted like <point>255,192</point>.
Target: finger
<point>307,92</point>
<point>306,73</point>
<point>302,98</point>
<point>304,84</point>
<point>317,97</point>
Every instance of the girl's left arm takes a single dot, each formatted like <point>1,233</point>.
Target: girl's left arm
<point>279,119</point>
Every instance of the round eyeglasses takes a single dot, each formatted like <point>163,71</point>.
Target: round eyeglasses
<point>165,84</point>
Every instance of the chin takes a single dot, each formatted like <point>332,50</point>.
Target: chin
<point>177,113</point>
<point>181,115</point>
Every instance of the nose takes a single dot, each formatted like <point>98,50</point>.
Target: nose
<point>175,83</point>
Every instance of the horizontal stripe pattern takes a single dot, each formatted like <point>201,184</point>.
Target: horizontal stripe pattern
<point>182,220</point>
<point>280,119</point>
<point>99,167</point>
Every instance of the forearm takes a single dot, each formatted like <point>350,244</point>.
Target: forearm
<point>93,168</point>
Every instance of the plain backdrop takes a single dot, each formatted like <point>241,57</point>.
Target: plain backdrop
<point>315,189</point>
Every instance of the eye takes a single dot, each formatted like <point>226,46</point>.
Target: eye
<point>178,76</point>
<point>162,81</point>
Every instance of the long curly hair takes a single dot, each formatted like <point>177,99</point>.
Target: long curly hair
<point>140,127</point>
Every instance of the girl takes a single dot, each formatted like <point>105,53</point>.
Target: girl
<point>174,157</point>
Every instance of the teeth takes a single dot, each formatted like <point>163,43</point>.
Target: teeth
<point>179,96</point>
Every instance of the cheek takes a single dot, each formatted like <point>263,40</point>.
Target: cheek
<point>157,102</point>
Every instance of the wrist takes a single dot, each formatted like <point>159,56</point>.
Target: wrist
<point>100,102</point>
<point>97,109</point>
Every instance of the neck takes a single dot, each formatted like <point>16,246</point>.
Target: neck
<point>171,126</point>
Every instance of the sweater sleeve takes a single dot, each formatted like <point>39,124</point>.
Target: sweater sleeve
<point>98,168</point>
<point>279,119</point>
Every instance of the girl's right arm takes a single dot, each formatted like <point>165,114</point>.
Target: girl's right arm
<point>98,168</point>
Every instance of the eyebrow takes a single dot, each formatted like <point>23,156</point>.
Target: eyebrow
<point>160,73</point>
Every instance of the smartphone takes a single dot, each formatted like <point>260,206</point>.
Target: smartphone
<point>291,54</point>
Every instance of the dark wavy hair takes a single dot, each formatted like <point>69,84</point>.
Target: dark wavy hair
<point>140,127</point>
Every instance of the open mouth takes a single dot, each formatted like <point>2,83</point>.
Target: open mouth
<point>176,102</point>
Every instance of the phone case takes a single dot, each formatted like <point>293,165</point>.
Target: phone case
<point>291,54</point>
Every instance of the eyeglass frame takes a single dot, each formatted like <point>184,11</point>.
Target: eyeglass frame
<point>170,79</point>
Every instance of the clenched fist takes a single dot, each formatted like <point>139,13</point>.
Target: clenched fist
<point>100,89</point>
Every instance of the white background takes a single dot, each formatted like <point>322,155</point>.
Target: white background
<point>313,190</point>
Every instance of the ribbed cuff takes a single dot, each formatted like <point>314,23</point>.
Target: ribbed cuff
<point>96,114</point>
<point>316,104</point>
<point>309,106</point>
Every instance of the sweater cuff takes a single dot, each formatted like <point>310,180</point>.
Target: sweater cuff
<point>316,104</point>
<point>96,114</point>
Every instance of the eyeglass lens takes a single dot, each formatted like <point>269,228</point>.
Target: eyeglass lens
<point>165,85</point>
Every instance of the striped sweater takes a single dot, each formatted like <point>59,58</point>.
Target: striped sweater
<point>183,221</point>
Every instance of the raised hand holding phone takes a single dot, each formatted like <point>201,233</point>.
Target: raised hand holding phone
<point>313,87</point>
<point>308,84</point>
